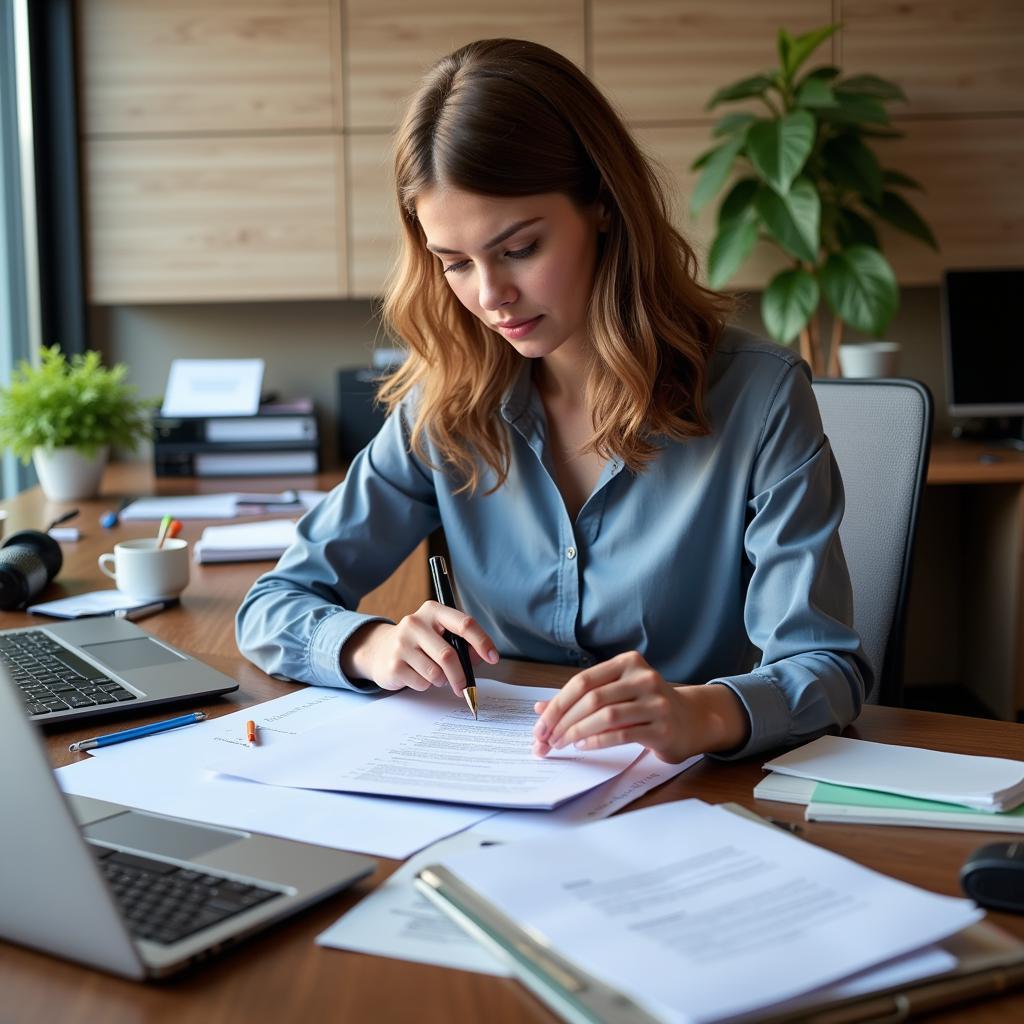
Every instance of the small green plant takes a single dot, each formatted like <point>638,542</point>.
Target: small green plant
<point>78,404</point>
<point>810,184</point>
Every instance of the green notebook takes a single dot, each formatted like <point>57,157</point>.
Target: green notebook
<point>845,803</point>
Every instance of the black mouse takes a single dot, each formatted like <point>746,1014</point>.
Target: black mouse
<point>993,875</point>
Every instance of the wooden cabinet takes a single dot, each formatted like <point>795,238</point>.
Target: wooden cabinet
<point>950,56</point>
<point>212,159</point>
<point>218,218</point>
<point>390,43</point>
<point>196,66</point>
<point>660,60</point>
<point>239,149</point>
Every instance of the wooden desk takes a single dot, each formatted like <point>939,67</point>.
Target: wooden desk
<point>966,614</point>
<point>282,975</point>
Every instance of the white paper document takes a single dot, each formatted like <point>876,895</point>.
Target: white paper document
<point>164,774</point>
<point>395,920</point>
<point>213,387</point>
<point>987,783</point>
<point>676,904</point>
<point>219,506</point>
<point>427,746</point>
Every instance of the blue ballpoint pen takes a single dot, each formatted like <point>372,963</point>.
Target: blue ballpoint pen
<point>134,734</point>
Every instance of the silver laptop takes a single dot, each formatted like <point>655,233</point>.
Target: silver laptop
<point>96,666</point>
<point>133,893</point>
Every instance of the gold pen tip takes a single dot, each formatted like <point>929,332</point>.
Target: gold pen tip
<point>470,694</point>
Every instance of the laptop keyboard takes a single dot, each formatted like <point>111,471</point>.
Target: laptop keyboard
<point>165,903</point>
<point>52,678</point>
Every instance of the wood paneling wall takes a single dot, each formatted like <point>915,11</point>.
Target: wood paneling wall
<point>240,149</point>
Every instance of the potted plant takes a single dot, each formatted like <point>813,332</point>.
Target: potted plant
<point>802,175</point>
<point>65,415</point>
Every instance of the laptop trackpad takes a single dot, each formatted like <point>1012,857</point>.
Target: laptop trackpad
<point>147,834</point>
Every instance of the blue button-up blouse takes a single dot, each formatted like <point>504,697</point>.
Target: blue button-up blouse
<point>720,562</point>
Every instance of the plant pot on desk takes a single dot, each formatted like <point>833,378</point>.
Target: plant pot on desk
<point>66,474</point>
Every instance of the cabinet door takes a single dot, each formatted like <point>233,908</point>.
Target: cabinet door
<point>390,43</point>
<point>660,60</point>
<point>182,220</point>
<point>197,65</point>
<point>950,56</point>
<point>971,171</point>
<point>372,212</point>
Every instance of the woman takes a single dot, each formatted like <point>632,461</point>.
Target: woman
<point>624,485</point>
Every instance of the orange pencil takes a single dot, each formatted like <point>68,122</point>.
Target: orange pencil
<point>173,530</point>
<point>250,733</point>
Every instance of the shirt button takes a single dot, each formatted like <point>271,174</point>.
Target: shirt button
<point>570,552</point>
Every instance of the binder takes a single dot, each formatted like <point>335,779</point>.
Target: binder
<point>989,961</point>
<point>235,460</point>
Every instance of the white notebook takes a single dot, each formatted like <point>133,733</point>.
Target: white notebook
<point>985,783</point>
<point>245,542</point>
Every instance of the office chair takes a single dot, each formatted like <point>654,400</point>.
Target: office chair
<point>880,431</point>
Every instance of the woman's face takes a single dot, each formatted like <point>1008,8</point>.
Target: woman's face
<point>524,266</point>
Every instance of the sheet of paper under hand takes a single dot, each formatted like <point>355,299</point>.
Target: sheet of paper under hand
<point>397,921</point>
<point>427,746</point>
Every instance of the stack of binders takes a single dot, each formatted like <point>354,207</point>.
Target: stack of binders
<point>280,439</point>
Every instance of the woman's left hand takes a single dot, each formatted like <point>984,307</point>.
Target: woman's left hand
<point>624,700</point>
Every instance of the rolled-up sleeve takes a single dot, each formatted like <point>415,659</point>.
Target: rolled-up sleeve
<point>812,675</point>
<point>296,618</point>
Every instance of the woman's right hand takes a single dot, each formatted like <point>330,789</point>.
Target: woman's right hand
<point>414,653</point>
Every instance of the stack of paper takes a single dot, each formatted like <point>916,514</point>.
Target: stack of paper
<point>672,904</point>
<point>825,802</point>
<point>245,542</point>
<point>988,784</point>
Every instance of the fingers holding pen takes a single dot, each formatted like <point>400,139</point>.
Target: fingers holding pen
<point>414,653</point>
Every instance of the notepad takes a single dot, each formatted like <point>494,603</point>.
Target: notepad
<point>245,542</point>
<point>94,602</point>
<point>984,783</point>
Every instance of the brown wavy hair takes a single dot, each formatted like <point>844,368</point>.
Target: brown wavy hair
<point>652,326</point>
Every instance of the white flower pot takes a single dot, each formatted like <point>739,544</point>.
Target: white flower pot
<point>870,359</point>
<point>65,474</point>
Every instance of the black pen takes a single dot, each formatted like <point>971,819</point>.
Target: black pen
<point>444,594</point>
<point>62,519</point>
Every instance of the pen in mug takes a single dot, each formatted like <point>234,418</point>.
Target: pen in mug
<point>134,734</point>
<point>161,533</point>
<point>444,594</point>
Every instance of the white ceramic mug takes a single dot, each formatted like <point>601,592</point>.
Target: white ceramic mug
<point>141,569</point>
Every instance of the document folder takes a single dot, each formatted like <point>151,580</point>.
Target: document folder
<point>988,961</point>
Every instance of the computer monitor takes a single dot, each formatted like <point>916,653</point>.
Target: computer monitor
<point>983,324</point>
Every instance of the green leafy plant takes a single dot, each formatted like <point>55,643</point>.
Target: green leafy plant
<point>78,404</point>
<point>805,179</point>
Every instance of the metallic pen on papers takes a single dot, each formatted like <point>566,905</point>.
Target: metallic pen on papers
<point>137,733</point>
<point>444,594</point>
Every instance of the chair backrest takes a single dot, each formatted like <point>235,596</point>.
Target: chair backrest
<point>880,431</point>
